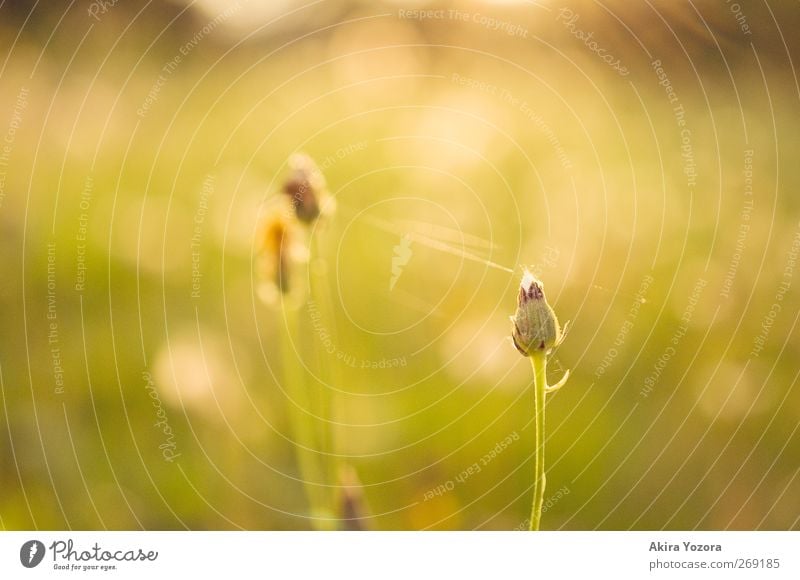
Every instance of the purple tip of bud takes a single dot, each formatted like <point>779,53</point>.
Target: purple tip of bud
<point>530,289</point>
<point>535,292</point>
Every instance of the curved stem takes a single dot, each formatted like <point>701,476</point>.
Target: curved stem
<point>539,363</point>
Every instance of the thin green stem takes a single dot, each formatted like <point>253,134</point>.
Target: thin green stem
<point>539,363</point>
<point>328,371</point>
<point>296,388</point>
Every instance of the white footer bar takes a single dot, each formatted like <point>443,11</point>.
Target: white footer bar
<point>401,555</point>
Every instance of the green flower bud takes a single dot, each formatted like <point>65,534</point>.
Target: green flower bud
<point>535,326</point>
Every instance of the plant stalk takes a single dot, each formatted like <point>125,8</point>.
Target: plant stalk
<point>539,363</point>
<point>330,375</point>
<point>296,387</point>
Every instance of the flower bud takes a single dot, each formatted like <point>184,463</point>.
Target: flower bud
<point>280,251</point>
<point>306,187</point>
<point>352,504</point>
<point>535,326</point>
<point>276,241</point>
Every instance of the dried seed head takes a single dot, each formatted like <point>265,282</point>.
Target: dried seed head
<point>306,188</point>
<point>535,326</point>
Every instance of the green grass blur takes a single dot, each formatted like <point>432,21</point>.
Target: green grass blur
<point>502,151</point>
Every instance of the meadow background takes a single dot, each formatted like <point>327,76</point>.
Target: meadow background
<point>141,375</point>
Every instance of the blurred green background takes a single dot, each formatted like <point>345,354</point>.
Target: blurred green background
<point>141,142</point>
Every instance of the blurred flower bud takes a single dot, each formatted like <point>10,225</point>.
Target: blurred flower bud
<point>535,326</point>
<point>352,504</point>
<point>306,188</point>
<point>280,250</point>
